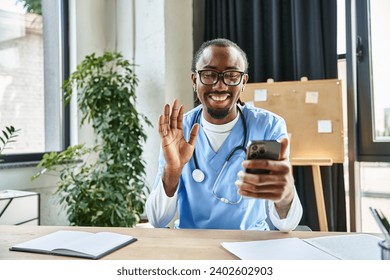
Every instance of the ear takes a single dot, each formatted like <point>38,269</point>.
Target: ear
<point>244,81</point>
<point>194,77</point>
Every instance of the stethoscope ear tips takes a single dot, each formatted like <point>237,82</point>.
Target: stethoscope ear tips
<point>198,175</point>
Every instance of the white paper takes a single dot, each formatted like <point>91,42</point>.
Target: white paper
<point>349,247</point>
<point>346,247</point>
<point>312,97</point>
<point>260,95</point>
<point>276,249</point>
<point>324,126</point>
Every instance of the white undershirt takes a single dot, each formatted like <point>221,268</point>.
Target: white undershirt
<point>217,133</point>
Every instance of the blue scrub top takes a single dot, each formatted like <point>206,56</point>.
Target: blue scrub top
<point>197,202</point>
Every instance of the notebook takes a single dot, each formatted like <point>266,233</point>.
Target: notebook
<point>76,244</point>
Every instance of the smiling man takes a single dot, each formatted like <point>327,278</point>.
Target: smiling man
<point>202,159</point>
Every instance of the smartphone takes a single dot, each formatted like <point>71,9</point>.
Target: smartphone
<point>264,149</point>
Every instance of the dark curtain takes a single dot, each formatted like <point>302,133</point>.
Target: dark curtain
<point>286,40</point>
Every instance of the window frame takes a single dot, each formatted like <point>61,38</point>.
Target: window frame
<point>368,150</point>
<point>10,160</point>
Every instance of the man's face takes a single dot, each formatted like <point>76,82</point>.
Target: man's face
<point>219,100</point>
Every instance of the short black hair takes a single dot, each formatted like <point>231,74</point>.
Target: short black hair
<point>219,42</point>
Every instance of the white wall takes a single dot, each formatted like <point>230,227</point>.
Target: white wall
<point>157,35</point>
<point>159,39</point>
<point>163,52</point>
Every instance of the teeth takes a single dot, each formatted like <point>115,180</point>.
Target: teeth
<point>219,97</point>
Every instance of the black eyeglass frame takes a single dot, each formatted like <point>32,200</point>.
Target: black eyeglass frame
<point>219,75</point>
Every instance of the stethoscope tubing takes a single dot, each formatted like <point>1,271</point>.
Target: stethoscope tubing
<point>200,177</point>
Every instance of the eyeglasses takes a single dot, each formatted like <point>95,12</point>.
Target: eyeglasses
<point>229,78</point>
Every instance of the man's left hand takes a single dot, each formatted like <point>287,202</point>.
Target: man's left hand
<point>277,186</point>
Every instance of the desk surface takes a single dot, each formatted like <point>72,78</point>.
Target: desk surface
<point>156,244</point>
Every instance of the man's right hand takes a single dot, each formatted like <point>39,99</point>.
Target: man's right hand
<point>177,151</point>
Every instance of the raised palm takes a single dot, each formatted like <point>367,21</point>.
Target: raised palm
<point>177,151</point>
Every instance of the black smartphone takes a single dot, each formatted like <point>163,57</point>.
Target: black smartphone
<point>264,149</point>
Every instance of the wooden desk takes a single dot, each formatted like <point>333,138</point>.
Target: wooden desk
<point>156,244</point>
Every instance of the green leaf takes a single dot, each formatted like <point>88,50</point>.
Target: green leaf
<point>9,134</point>
<point>5,135</point>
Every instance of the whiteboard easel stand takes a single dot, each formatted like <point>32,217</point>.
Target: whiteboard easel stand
<point>318,190</point>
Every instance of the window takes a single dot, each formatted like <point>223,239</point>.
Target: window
<point>373,42</point>
<point>367,60</point>
<point>33,64</point>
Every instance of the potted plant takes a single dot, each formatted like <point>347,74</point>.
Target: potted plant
<point>103,185</point>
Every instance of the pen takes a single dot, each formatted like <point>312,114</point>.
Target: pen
<point>382,227</point>
<point>385,222</point>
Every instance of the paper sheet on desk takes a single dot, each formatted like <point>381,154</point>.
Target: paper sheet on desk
<point>276,249</point>
<point>352,247</point>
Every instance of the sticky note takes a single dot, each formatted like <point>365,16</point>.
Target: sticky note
<point>312,97</point>
<point>324,126</point>
<point>260,95</point>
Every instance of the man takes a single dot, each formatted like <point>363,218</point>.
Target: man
<point>202,160</point>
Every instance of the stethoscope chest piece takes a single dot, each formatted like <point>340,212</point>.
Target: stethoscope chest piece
<point>198,175</point>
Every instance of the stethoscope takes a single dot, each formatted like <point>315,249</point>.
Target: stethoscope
<point>197,174</point>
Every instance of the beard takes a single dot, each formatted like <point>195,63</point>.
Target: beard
<point>218,113</point>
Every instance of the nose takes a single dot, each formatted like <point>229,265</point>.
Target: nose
<point>220,85</point>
